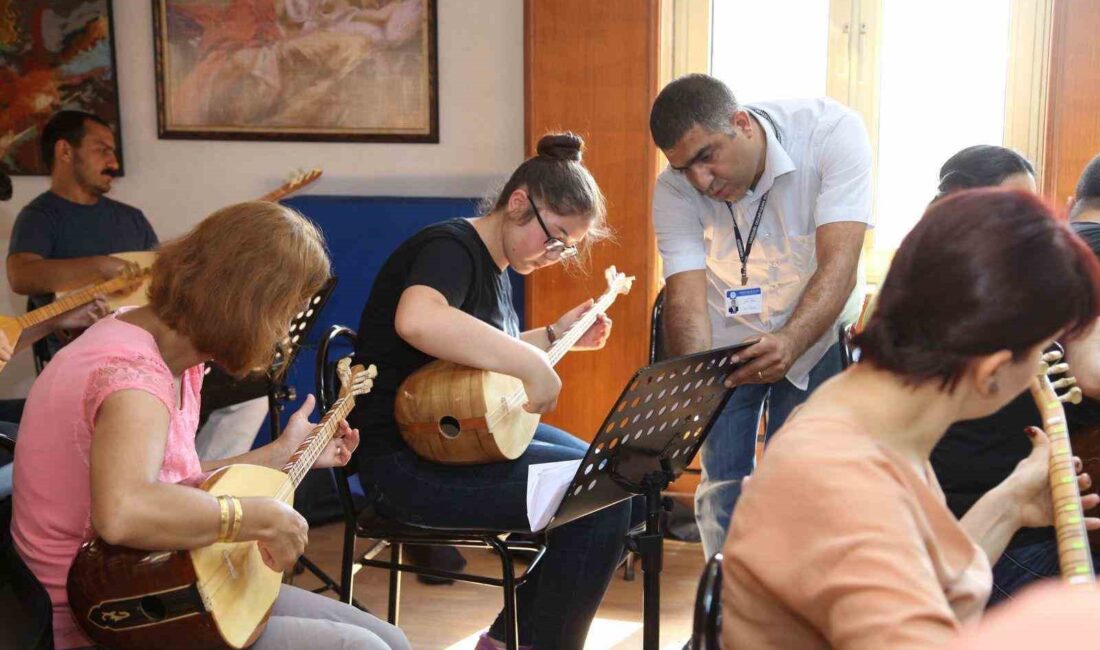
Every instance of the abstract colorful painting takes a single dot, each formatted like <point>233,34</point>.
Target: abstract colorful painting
<point>338,70</point>
<point>54,54</point>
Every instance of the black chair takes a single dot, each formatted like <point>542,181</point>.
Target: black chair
<point>368,523</point>
<point>848,353</point>
<point>707,625</point>
<point>26,613</point>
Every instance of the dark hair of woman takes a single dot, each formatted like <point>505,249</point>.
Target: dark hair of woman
<point>974,262</point>
<point>982,165</point>
<point>556,177</point>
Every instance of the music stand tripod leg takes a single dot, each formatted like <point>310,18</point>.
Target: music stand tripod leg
<point>650,545</point>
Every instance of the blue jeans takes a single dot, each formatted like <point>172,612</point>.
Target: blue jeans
<point>558,601</point>
<point>728,454</point>
<point>1023,565</point>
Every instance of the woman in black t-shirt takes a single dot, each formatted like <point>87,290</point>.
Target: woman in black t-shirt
<point>445,294</point>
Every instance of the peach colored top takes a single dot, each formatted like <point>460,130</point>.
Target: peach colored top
<point>838,542</point>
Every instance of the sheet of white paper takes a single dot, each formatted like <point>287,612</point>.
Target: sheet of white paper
<point>546,484</point>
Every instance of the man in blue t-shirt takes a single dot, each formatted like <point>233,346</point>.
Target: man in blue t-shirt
<point>63,238</point>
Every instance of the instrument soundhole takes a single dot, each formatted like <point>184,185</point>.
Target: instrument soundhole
<point>449,427</point>
<point>153,608</point>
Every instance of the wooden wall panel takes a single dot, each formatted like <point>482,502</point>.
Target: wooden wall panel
<point>1073,127</point>
<point>591,66</point>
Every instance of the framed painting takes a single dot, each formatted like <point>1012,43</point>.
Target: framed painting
<point>312,70</point>
<point>54,55</point>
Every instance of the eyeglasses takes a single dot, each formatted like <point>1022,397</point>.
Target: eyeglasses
<point>556,249</point>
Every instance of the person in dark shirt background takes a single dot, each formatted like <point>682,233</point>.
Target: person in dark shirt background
<point>64,237</point>
<point>976,455</point>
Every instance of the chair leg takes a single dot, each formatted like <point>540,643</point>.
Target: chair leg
<point>508,575</point>
<point>346,572</point>
<point>396,557</point>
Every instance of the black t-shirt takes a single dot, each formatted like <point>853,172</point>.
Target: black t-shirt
<point>450,258</point>
<point>58,229</point>
<point>1090,232</point>
<point>974,456</point>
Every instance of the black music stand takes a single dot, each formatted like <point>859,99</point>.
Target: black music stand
<point>647,440</point>
<point>220,390</point>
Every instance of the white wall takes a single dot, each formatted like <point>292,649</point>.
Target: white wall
<point>177,182</point>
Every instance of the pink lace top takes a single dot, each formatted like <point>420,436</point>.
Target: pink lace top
<point>52,493</point>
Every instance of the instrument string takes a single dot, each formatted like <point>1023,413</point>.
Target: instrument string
<point>301,461</point>
<point>558,350</point>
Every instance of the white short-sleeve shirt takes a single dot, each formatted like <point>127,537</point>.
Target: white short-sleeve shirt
<point>817,171</point>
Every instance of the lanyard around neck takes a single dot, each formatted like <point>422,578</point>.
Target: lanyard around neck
<point>744,247</point>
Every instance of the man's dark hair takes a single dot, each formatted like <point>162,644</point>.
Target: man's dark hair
<point>1087,194</point>
<point>983,165</point>
<point>687,101</point>
<point>67,126</point>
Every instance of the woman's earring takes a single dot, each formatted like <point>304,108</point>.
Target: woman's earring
<point>994,387</point>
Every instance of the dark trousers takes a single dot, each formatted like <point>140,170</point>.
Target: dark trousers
<point>558,601</point>
<point>1023,565</point>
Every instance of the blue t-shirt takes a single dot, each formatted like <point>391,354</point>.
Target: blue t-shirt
<point>58,229</point>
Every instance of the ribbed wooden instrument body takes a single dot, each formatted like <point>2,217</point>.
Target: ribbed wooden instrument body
<point>11,329</point>
<point>457,415</point>
<point>218,596</point>
<point>139,296</point>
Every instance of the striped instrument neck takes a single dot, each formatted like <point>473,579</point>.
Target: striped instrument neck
<point>301,461</point>
<point>565,343</point>
<point>617,283</point>
<point>72,301</point>
<point>1074,556</point>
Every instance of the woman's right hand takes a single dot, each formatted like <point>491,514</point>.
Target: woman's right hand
<point>282,533</point>
<point>542,385</point>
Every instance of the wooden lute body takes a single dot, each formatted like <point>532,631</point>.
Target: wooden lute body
<point>457,415</point>
<point>218,596</point>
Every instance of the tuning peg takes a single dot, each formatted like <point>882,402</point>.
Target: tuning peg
<point>1064,383</point>
<point>1074,396</point>
<point>1058,369</point>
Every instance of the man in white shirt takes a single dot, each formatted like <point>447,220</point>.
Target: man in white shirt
<point>760,219</point>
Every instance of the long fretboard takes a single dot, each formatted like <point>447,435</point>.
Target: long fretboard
<point>72,301</point>
<point>1074,556</point>
<point>566,341</point>
<point>303,458</point>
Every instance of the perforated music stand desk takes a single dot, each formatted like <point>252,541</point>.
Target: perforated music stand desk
<point>647,440</point>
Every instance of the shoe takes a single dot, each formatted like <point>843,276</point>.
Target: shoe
<point>484,642</point>
<point>443,558</point>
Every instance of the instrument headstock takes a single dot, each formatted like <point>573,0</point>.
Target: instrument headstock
<point>355,380</point>
<point>1063,387</point>
<point>618,282</point>
<point>299,179</point>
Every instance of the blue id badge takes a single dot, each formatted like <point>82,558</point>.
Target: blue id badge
<point>746,301</point>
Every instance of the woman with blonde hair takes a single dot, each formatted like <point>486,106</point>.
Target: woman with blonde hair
<point>107,445</point>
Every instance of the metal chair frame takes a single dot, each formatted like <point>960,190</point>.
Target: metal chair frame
<point>396,535</point>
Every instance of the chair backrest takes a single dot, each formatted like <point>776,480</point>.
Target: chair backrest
<point>707,625</point>
<point>26,613</point>
<point>328,387</point>
<point>656,332</point>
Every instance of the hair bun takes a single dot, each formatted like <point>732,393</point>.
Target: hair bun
<point>561,146</point>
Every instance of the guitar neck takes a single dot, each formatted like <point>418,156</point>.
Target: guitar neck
<point>303,458</point>
<point>1074,555</point>
<point>562,346</point>
<point>71,301</point>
